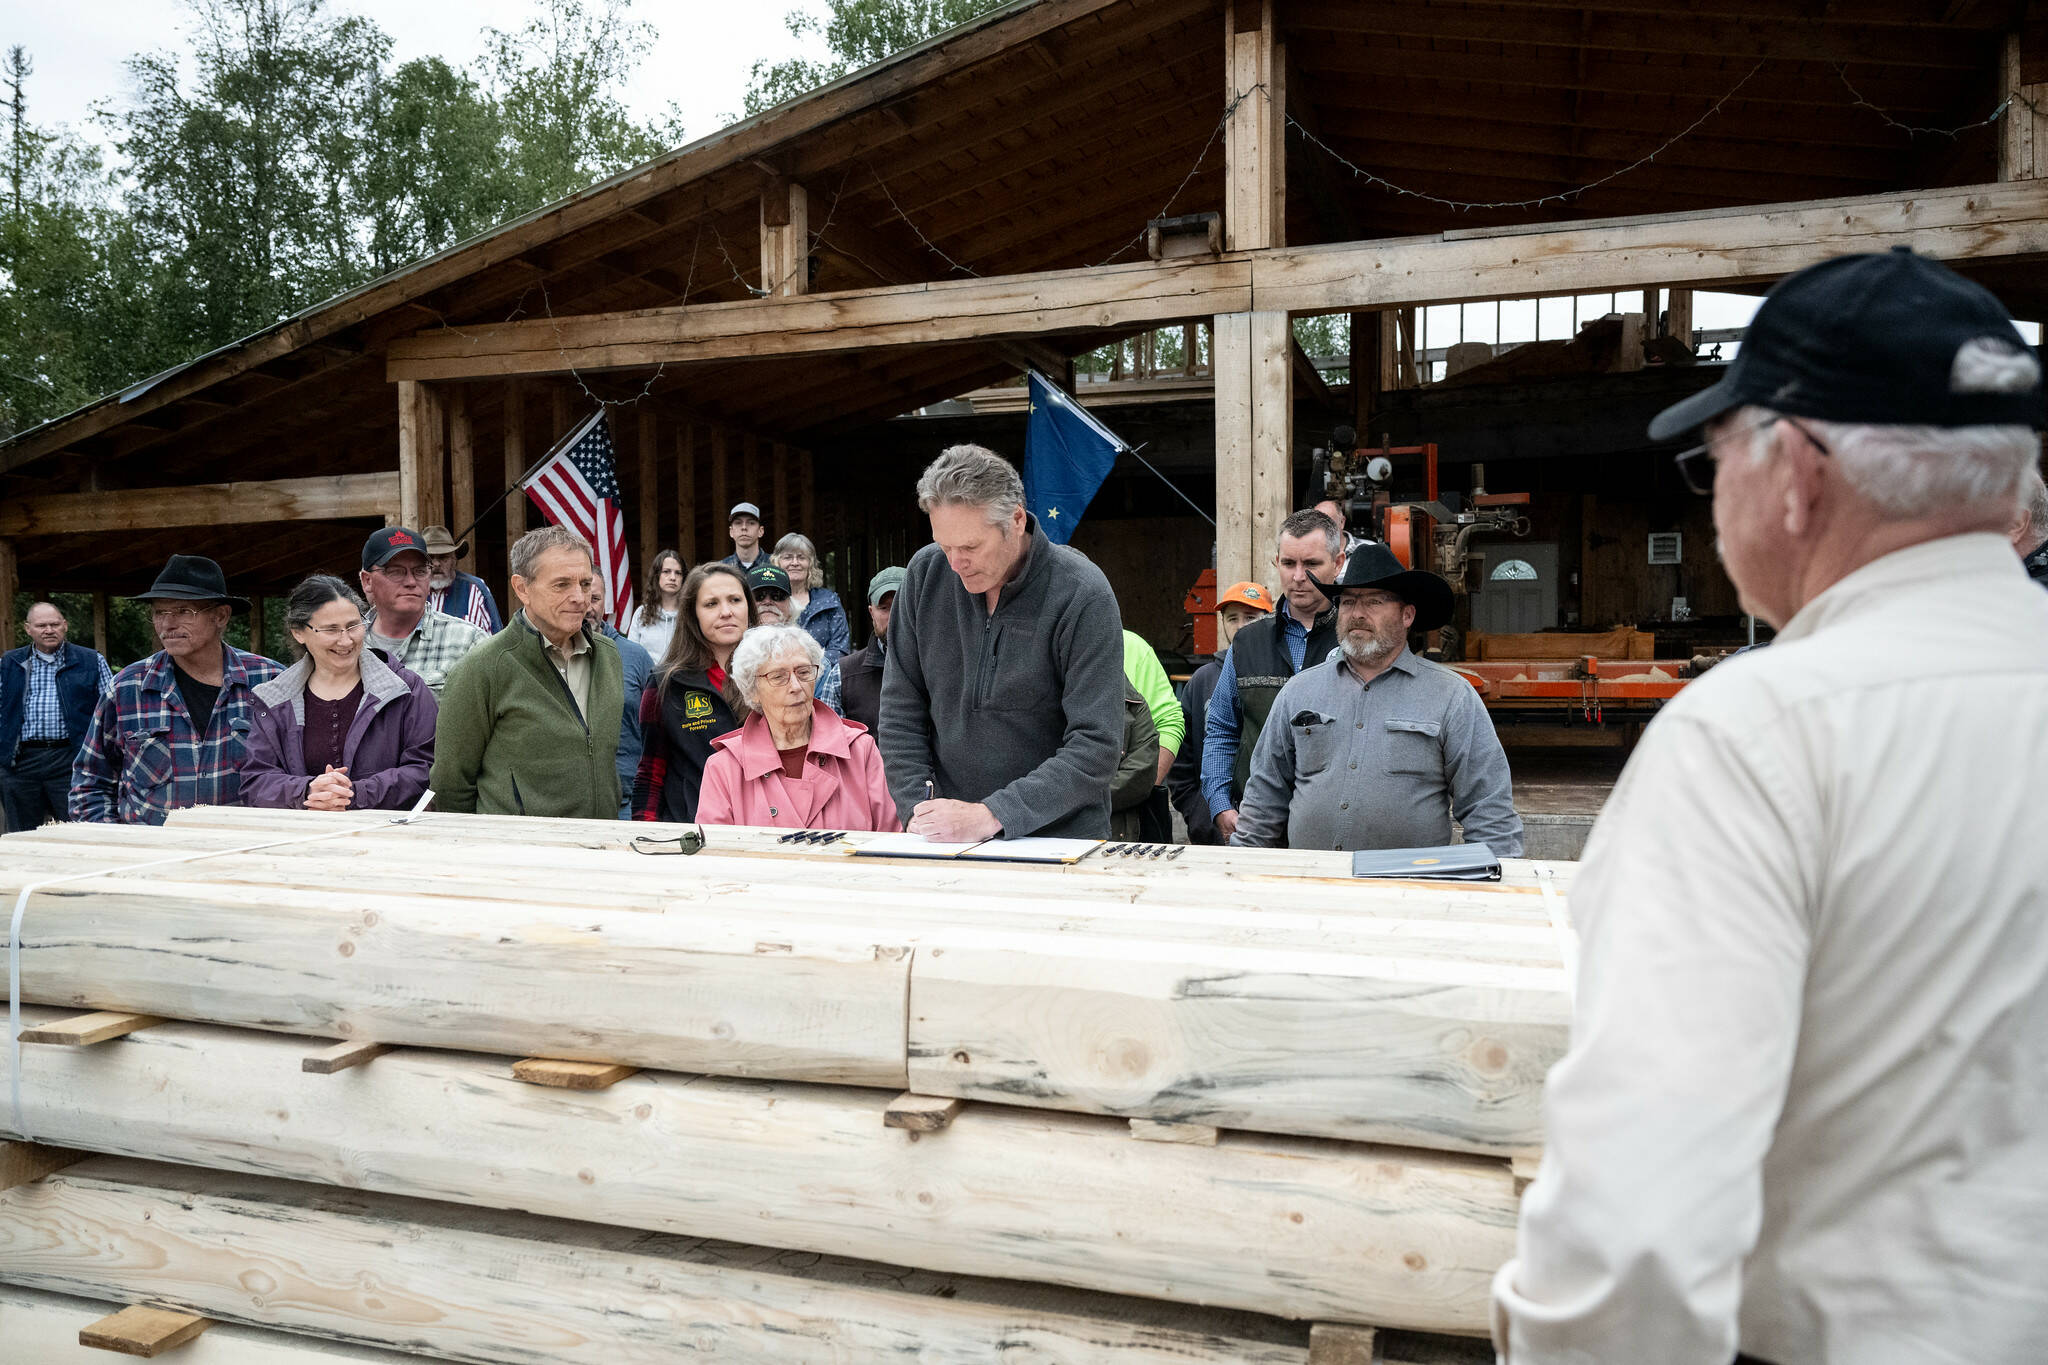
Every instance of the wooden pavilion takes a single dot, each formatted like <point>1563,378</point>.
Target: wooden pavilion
<point>763,301</point>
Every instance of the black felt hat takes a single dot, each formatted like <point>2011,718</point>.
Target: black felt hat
<point>1372,565</point>
<point>191,578</point>
<point>1871,338</point>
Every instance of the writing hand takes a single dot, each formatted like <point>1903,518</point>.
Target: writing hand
<point>954,822</point>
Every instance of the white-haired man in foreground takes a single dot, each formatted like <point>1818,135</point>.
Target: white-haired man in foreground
<point>1804,1115</point>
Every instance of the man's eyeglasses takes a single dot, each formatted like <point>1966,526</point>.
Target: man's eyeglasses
<point>337,632</point>
<point>770,595</point>
<point>166,615</point>
<point>803,673</point>
<point>1696,465</point>
<point>402,575</point>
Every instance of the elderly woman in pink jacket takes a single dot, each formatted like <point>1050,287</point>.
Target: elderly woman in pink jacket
<point>796,763</point>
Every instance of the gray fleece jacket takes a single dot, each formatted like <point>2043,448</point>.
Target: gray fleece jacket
<point>1021,709</point>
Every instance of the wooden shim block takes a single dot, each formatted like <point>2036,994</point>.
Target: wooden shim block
<point>685,992</point>
<point>142,1331</point>
<point>83,1030</point>
<point>920,1113</point>
<point>1192,1134</point>
<point>1449,1056</point>
<point>570,1075</point>
<point>1298,1228</point>
<point>38,1328</point>
<point>341,1057</point>
<point>1338,1343</point>
<point>21,1162</point>
<point>515,1288</point>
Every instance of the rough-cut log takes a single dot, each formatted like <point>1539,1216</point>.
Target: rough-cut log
<point>752,995</point>
<point>497,1287</point>
<point>1440,1055</point>
<point>1293,1227</point>
<point>1284,872</point>
<point>913,896</point>
<point>38,1328</point>
<point>1180,1007</point>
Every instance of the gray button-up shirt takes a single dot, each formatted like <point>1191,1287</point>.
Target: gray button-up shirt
<point>1344,765</point>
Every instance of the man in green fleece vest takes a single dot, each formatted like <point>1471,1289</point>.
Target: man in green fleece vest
<point>530,718</point>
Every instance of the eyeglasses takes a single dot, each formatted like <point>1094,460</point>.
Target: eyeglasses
<point>770,595</point>
<point>399,575</point>
<point>165,615</point>
<point>1696,465</point>
<point>337,632</point>
<point>803,673</point>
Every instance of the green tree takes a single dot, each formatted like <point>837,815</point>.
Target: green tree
<point>858,33</point>
<point>435,172</point>
<point>245,182</point>
<point>556,80</point>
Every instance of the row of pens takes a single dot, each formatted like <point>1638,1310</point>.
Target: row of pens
<point>820,837</point>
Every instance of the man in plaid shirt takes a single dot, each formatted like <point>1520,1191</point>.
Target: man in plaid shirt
<point>396,579</point>
<point>171,732</point>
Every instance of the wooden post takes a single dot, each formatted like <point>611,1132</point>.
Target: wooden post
<point>514,437</point>
<point>650,488</point>
<point>1255,190</point>
<point>1678,322</point>
<point>721,492</point>
<point>7,585</point>
<point>461,470</point>
<point>433,457</point>
<point>409,474</point>
<point>750,483</point>
<point>255,623</point>
<point>2022,136</point>
<point>1252,355</point>
<point>1365,374</point>
<point>805,493</point>
<point>99,622</point>
<point>559,411</point>
<point>778,455</point>
<point>686,493</point>
<point>1230,355</point>
<point>785,239</point>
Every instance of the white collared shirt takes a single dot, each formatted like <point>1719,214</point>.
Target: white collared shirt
<point>1807,1094</point>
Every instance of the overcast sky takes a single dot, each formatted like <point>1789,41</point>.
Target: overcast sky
<point>702,55</point>
<point>700,60</point>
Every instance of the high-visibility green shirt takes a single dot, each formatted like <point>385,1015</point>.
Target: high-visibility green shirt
<point>1142,668</point>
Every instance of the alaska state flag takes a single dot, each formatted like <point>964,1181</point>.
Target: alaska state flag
<point>1067,455</point>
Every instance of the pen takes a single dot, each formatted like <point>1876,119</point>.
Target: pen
<point>927,789</point>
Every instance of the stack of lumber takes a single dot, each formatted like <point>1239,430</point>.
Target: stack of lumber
<point>317,1113</point>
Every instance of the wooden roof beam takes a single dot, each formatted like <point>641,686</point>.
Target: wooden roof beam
<point>1780,82</point>
<point>142,509</point>
<point>1693,250</point>
<point>1791,39</point>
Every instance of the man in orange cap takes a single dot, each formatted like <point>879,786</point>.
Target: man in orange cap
<point>1237,604</point>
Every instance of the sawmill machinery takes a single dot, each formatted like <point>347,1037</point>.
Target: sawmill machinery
<point>1434,532</point>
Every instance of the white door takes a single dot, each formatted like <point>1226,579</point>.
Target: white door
<point>1517,590</point>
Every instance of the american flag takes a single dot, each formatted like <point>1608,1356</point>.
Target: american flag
<point>578,487</point>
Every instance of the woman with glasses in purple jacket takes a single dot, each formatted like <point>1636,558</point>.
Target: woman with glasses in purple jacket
<point>342,728</point>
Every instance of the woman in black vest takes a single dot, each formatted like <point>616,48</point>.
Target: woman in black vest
<point>695,701</point>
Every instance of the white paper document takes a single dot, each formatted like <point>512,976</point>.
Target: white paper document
<point>989,850</point>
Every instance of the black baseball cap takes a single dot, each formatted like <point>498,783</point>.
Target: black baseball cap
<point>767,576</point>
<point>1870,338</point>
<point>385,545</point>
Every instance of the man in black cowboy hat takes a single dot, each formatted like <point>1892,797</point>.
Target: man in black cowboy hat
<point>1375,748</point>
<point>1805,1110</point>
<point>170,733</point>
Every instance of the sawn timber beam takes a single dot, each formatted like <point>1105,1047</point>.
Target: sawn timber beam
<point>331,497</point>
<point>1748,245</point>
